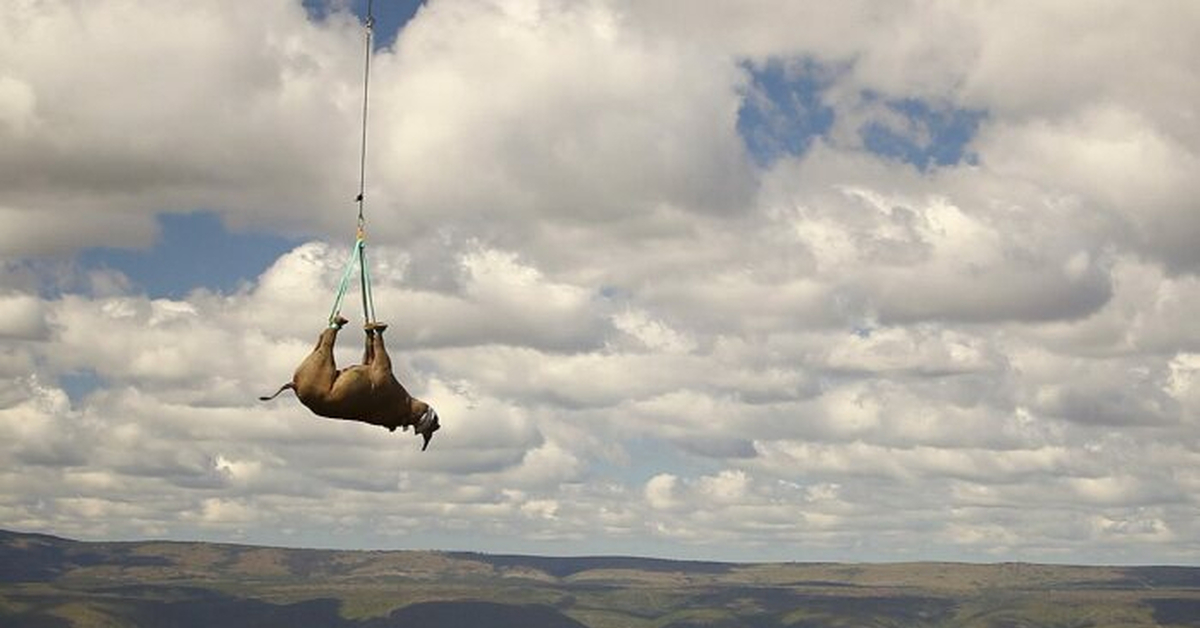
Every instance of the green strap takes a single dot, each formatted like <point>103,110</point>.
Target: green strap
<point>367,298</point>
<point>344,284</point>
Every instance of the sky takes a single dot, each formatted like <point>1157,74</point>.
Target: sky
<point>766,280</point>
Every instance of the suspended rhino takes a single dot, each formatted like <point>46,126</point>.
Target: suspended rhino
<point>366,392</point>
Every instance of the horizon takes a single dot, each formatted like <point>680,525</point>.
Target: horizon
<point>794,282</point>
<point>644,558</point>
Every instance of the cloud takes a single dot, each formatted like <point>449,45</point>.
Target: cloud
<point>1117,161</point>
<point>22,316</point>
<point>544,104</point>
<point>896,246</point>
<point>40,429</point>
<point>168,107</point>
<point>640,336</point>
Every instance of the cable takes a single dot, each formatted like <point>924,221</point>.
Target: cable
<point>368,33</point>
<point>364,282</point>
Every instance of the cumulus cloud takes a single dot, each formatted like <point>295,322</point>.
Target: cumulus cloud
<point>168,107</point>
<point>640,336</point>
<point>1119,162</point>
<point>543,104</point>
<point>22,316</point>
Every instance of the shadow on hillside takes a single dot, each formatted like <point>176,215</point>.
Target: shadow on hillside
<point>191,607</point>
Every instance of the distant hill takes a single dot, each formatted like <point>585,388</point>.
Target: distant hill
<point>46,581</point>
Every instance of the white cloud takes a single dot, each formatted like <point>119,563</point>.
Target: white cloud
<point>22,316</point>
<point>638,341</point>
<point>912,349</point>
<point>1119,162</point>
<point>17,102</point>
<point>40,428</point>
<point>559,112</point>
<point>167,107</point>
<point>652,334</point>
<point>660,492</point>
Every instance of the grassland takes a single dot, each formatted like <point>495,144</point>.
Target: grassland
<point>52,582</point>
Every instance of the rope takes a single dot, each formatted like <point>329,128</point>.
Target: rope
<point>368,303</point>
<point>368,31</point>
<point>359,255</point>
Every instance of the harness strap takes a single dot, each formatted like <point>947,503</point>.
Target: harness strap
<point>344,284</point>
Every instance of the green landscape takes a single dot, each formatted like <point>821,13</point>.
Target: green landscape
<point>47,581</point>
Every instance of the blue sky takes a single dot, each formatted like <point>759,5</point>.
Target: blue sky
<point>853,282</point>
<point>390,15</point>
<point>192,251</point>
<point>949,129</point>
<point>784,111</point>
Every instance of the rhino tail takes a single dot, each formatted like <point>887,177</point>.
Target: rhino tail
<point>282,388</point>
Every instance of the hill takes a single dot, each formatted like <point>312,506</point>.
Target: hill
<point>47,581</point>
